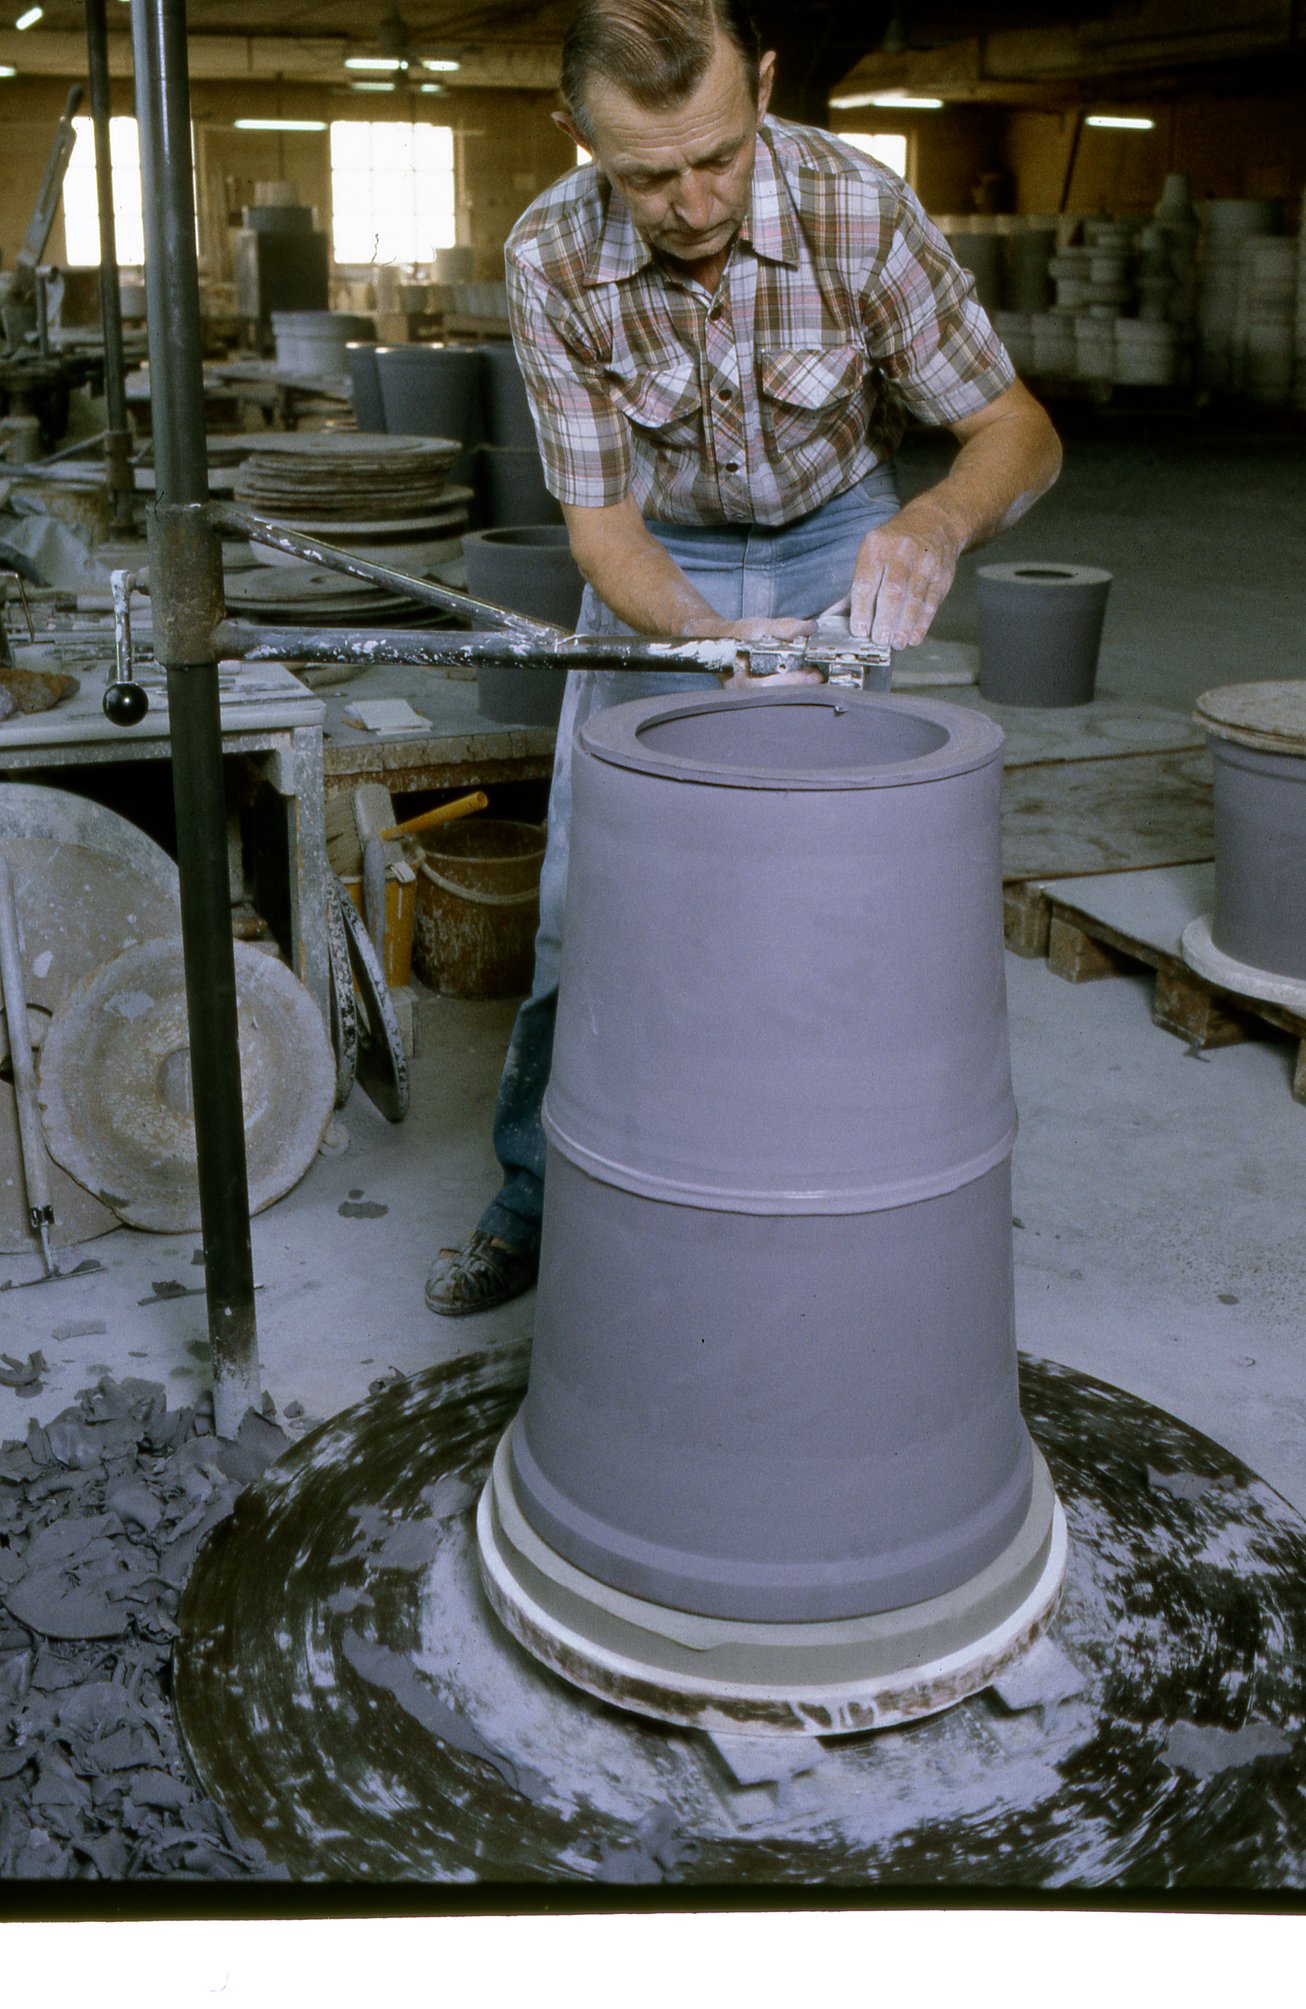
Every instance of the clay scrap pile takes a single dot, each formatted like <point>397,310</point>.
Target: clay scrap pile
<point>102,1513</point>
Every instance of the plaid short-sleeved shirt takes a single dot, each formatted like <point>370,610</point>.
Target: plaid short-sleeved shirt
<point>841,308</point>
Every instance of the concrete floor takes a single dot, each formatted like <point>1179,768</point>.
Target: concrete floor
<point>1158,1194</point>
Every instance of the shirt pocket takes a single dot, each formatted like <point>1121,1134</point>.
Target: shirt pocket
<point>804,390</point>
<point>664,401</point>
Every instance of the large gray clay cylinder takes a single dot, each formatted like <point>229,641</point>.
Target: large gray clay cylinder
<point>510,488</point>
<point>508,420</point>
<point>365,386</point>
<point>1260,857</point>
<point>434,391</point>
<point>528,569</point>
<point>1040,632</point>
<point>774,1368</point>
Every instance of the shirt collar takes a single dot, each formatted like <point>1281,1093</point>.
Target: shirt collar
<point>768,227</point>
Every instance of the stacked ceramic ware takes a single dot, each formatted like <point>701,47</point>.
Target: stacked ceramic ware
<point>383,495</point>
<point>1227,222</point>
<point>1265,327</point>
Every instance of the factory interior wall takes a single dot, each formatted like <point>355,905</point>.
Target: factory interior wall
<point>1228,146</point>
<point>508,150</point>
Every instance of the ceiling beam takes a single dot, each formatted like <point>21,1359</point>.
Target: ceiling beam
<point>1134,45</point>
<point>316,59</point>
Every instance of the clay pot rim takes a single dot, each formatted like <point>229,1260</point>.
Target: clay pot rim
<point>973,740</point>
<point>1045,572</point>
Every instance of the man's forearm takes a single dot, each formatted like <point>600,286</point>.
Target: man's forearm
<point>1003,467</point>
<point>1009,456</point>
<point>639,581</point>
<point>632,574</point>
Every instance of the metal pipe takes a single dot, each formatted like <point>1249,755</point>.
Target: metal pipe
<point>427,592</point>
<point>256,644</point>
<point>185,556</point>
<point>118,437</point>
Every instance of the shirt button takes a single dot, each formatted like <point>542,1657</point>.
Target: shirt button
<point>725,393</point>
<point>730,466</point>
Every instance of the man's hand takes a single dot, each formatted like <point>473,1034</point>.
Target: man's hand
<point>903,573</point>
<point>779,630</point>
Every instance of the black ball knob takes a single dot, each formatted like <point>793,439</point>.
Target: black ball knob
<point>125,704</point>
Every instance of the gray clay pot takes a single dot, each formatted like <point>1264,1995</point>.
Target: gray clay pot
<point>510,488</point>
<point>529,570</point>
<point>365,386</point>
<point>1260,857</point>
<point>508,420</point>
<point>774,1368</point>
<point>1040,632</point>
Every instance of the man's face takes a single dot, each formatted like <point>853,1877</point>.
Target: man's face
<point>684,173</point>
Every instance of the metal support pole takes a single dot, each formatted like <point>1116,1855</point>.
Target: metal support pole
<point>117,440</point>
<point>186,577</point>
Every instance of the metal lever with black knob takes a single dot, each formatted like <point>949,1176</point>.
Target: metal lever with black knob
<point>125,703</point>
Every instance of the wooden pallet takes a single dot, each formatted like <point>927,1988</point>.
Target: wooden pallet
<point>1103,928</point>
<point>1121,814</point>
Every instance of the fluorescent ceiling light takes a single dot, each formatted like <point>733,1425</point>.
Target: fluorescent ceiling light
<point>30,18</point>
<point>371,87</point>
<point>7,70</point>
<point>436,90</point>
<point>1120,125</point>
<point>375,63</point>
<point>279,125</point>
<point>441,63</point>
<point>894,100</point>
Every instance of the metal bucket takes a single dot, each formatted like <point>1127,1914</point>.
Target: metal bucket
<point>774,1368</point>
<point>478,907</point>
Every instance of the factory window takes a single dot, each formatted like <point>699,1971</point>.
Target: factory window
<point>392,193</point>
<point>888,148</point>
<point>81,210</point>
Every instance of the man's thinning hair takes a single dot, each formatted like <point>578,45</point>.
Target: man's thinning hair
<point>656,51</point>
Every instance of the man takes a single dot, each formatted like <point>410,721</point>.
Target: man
<point>722,322</point>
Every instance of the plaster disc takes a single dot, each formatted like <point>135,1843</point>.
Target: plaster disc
<point>115,1094</point>
<point>78,1216</point>
<point>77,907</point>
<point>343,1689</point>
<point>344,1007</point>
<point>29,810</point>
<point>382,1062</point>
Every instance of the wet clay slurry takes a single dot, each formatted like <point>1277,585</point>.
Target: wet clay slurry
<point>774,1372</point>
<point>347,1697</point>
<point>1040,632</point>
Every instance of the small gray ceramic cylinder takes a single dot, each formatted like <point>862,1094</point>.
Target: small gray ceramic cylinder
<point>774,1371</point>
<point>1260,857</point>
<point>1040,632</point>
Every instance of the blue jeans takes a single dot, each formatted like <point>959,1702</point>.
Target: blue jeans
<point>800,569</point>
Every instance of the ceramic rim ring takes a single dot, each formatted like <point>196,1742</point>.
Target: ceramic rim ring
<point>766,1678</point>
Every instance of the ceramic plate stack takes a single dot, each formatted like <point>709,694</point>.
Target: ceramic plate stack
<point>383,495</point>
<point>310,596</point>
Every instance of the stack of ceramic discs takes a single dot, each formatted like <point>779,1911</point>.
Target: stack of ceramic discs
<point>310,596</point>
<point>383,495</point>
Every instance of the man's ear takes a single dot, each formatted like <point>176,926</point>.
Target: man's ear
<point>567,124</point>
<point>765,79</point>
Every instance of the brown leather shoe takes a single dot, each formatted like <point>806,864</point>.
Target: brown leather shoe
<point>482,1273</point>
